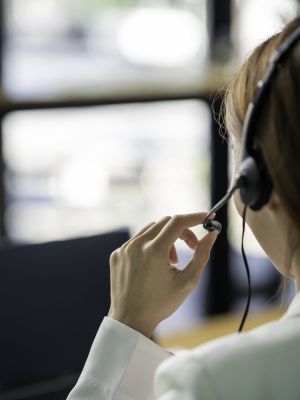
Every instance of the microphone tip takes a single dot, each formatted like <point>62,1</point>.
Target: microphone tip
<point>212,225</point>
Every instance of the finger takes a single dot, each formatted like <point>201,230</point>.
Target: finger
<point>193,270</point>
<point>175,227</point>
<point>189,238</point>
<point>139,233</point>
<point>154,230</point>
<point>173,256</point>
<point>149,232</point>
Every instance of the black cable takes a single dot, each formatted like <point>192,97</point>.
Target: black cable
<point>239,183</point>
<point>248,274</point>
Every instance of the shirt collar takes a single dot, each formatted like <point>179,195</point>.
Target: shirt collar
<point>294,307</point>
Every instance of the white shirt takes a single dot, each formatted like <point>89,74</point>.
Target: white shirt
<point>261,364</point>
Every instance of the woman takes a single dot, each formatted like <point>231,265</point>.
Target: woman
<point>146,287</point>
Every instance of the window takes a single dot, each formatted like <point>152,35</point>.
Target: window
<point>256,20</point>
<point>78,172</point>
<point>62,48</point>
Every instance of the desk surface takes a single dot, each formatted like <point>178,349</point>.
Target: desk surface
<point>216,327</point>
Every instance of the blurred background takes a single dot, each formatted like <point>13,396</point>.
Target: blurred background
<point>108,121</point>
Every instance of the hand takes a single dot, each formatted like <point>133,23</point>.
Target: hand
<point>146,287</point>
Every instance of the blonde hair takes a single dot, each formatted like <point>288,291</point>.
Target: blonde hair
<point>278,127</point>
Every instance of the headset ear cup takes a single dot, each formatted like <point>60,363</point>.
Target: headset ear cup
<point>256,186</point>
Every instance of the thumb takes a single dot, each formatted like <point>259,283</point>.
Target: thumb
<point>201,256</point>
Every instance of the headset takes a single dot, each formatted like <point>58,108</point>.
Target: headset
<point>253,179</point>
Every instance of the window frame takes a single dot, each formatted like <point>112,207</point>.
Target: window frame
<point>219,288</point>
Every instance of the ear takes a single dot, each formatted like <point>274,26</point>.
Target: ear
<point>274,202</point>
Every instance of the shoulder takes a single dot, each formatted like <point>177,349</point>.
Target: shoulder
<point>263,361</point>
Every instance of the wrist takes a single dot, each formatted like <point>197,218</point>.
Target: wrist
<point>139,326</point>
